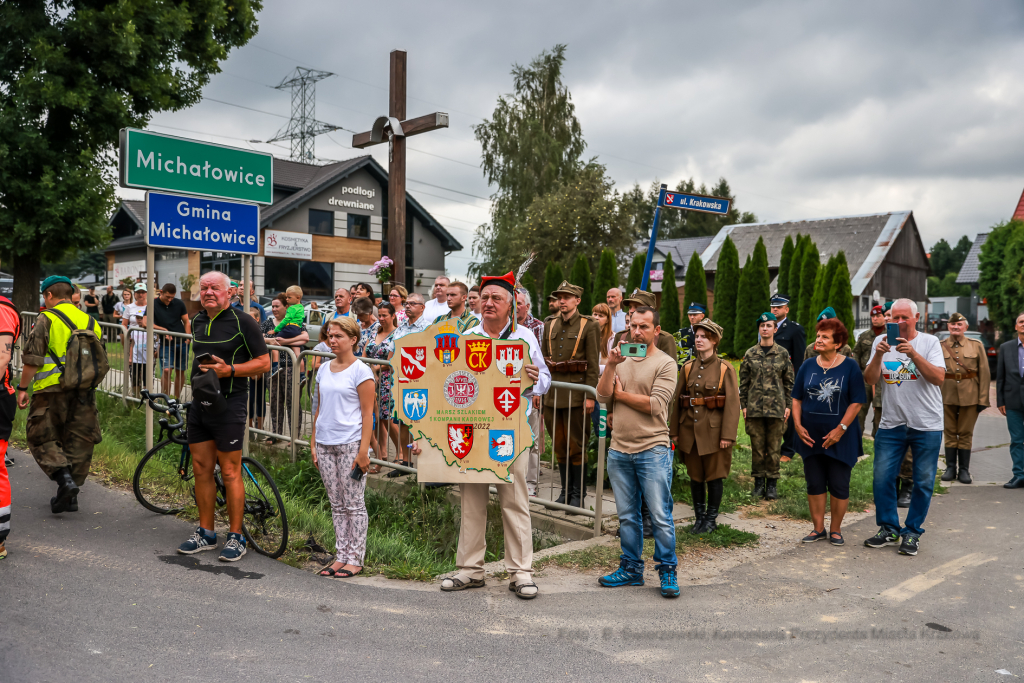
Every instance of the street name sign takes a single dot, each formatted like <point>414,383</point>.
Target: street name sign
<point>154,161</point>
<point>182,222</point>
<point>697,202</point>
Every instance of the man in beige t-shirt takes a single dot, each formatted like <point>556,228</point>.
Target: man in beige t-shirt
<point>640,458</point>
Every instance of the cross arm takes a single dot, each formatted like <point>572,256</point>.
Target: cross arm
<point>410,127</point>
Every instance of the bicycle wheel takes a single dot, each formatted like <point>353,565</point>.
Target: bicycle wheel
<point>264,522</point>
<point>163,481</point>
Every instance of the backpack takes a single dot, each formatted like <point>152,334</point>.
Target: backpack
<point>85,360</point>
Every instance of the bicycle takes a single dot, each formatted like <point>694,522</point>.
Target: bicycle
<point>164,482</point>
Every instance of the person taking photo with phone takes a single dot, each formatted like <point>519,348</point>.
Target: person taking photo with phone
<point>229,349</point>
<point>340,443</point>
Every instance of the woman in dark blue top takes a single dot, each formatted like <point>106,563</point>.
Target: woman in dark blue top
<point>827,396</point>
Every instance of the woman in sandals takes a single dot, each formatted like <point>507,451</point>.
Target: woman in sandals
<point>341,443</point>
<point>827,397</point>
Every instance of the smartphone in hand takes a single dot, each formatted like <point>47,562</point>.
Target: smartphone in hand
<point>892,333</point>
<point>356,473</point>
<point>204,359</point>
<point>633,350</point>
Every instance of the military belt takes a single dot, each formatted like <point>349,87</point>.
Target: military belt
<point>711,402</point>
<point>958,375</point>
<point>571,366</point>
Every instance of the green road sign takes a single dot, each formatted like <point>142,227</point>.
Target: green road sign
<point>153,161</point>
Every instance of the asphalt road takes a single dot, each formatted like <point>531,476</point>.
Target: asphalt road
<point>100,595</point>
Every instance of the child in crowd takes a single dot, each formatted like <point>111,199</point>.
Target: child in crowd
<point>291,325</point>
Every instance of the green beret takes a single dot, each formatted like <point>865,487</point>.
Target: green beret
<point>888,305</point>
<point>52,280</point>
<point>766,317</point>
<point>827,314</point>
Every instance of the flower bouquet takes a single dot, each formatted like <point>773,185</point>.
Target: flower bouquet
<point>382,269</point>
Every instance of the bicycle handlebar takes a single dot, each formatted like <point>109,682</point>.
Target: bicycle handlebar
<point>171,408</point>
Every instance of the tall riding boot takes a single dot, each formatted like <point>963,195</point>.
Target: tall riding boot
<point>645,516</point>
<point>715,489</point>
<point>561,473</point>
<point>964,477</point>
<point>575,476</point>
<point>66,490</point>
<point>700,500</point>
<point>904,489</point>
<point>951,457</point>
<point>758,487</point>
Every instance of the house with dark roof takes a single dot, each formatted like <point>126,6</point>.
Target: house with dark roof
<point>682,250</point>
<point>325,229</point>
<point>883,250</point>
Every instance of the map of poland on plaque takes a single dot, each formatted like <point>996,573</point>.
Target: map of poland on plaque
<point>462,397</point>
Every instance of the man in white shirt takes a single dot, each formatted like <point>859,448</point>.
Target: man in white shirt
<point>614,299</point>
<point>496,306</point>
<point>912,416</point>
<point>439,304</point>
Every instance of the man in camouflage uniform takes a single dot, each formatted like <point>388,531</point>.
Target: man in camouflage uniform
<point>62,427</point>
<point>964,395</point>
<point>862,354</point>
<point>766,398</point>
<point>696,312</point>
<point>791,336</point>
<point>666,342</point>
<point>571,347</point>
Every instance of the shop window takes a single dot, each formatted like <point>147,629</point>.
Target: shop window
<point>316,279</point>
<point>321,222</point>
<point>359,226</point>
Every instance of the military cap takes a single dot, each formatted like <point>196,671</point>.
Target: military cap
<point>877,310</point>
<point>696,307</point>
<point>888,306</point>
<point>780,299</point>
<point>956,318</point>
<point>552,297</point>
<point>568,288</point>
<point>709,325</point>
<point>767,317</point>
<point>827,314</point>
<point>640,298</point>
<point>52,280</point>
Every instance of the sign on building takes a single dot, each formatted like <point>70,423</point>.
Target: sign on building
<point>180,222</point>
<point>283,244</point>
<point>125,269</point>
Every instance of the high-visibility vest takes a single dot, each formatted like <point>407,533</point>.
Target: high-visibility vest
<point>57,344</point>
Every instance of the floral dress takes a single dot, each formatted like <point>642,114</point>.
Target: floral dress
<point>383,351</point>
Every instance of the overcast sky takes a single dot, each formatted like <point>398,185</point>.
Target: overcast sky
<point>809,109</point>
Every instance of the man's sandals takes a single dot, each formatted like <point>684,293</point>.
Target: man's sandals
<point>330,572</point>
<point>526,591</point>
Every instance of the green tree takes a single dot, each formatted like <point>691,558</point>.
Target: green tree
<point>695,284</point>
<point>580,276</point>
<point>947,286</point>
<point>744,309</point>
<point>808,272</point>
<point>753,298</point>
<point>670,316</point>
<point>1013,275</point>
<point>796,266</point>
<point>530,285</point>
<point>840,293</point>
<point>552,278</point>
<point>940,258</point>
<point>990,279</point>
<point>676,223</point>
<point>823,286</point>
<point>72,74</point>
<point>606,277</point>
<point>784,261</point>
<point>532,142</point>
<point>636,273</point>
<point>726,288</point>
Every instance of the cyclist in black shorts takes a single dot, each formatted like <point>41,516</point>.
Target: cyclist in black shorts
<point>216,423</point>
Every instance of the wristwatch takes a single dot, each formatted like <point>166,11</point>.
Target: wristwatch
<point>232,370</point>
<point>21,388</point>
<point>843,426</point>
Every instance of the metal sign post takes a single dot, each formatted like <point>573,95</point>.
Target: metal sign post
<point>653,240</point>
<point>150,348</point>
<point>244,299</point>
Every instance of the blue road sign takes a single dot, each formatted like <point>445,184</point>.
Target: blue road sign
<point>181,222</point>
<point>697,202</point>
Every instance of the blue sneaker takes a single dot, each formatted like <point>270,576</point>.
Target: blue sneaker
<point>233,549</point>
<point>622,577</point>
<point>198,542</point>
<point>669,585</point>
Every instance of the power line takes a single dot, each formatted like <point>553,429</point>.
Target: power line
<point>441,187</point>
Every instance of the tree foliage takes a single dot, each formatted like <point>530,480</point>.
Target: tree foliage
<point>992,264</point>
<point>726,288</point>
<point>71,76</point>
<point>947,286</point>
<point>840,293</point>
<point>670,316</point>
<point>532,143</point>
<point>636,273</point>
<point>823,287</point>
<point>580,276</point>
<point>945,259</point>
<point>795,269</point>
<point>607,276</point>
<point>808,272</point>
<point>753,299</point>
<point>529,284</point>
<point>552,278</point>
<point>784,261</point>
<point>696,284</point>
<point>1013,276</point>
<point>639,206</point>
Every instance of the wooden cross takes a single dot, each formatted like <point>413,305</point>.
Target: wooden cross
<point>394,129</point>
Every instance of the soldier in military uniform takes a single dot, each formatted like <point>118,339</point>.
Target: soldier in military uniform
<point>571,347</point>
<point>62,427</point>
<point>696,312</point>
<point>766,399</point>
<point>862,354</point>
<point>666,342</point>
<point>964,394</point>
<point>810,352</point>
<point>791,336</point>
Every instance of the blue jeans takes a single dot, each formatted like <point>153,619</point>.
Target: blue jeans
<point>648,473</point>
<point>890,447</point>
<point>1015,423</point>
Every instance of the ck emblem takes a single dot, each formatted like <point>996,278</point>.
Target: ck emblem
<point>509,359</point>
<point>461,389</point>
<point>478,354</point>
<point>414,362</point>
<point>460,439</point>
<point>502,446</point>
<point>506,400</point>
<point>447,348</point>
<point>415,403</point>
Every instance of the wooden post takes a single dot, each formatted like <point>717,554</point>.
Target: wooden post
<point>396,168</point>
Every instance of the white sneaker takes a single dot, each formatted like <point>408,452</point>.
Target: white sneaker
<point>532,490</point>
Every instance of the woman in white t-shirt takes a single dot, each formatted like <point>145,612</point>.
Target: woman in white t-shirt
<point>341,442</point>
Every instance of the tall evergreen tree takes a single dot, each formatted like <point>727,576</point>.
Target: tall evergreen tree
<point>607,276</point>
<point>696,283</point>
<point>726,288</point>
<point>840,294</point>
<point>808,272</point>
<point>748,306</point>
<point>760,283</point>
<point>784,261</point>
<point>580,276</point>
<point>796,266</point>
<point>530,286</point>
<point>552,278</point>
<point>670,317</point>
<point>636,273</point>
<point>823,287</point>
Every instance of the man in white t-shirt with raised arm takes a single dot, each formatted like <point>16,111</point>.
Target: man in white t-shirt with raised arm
<point>912,416</point>
<point>438,305</point>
